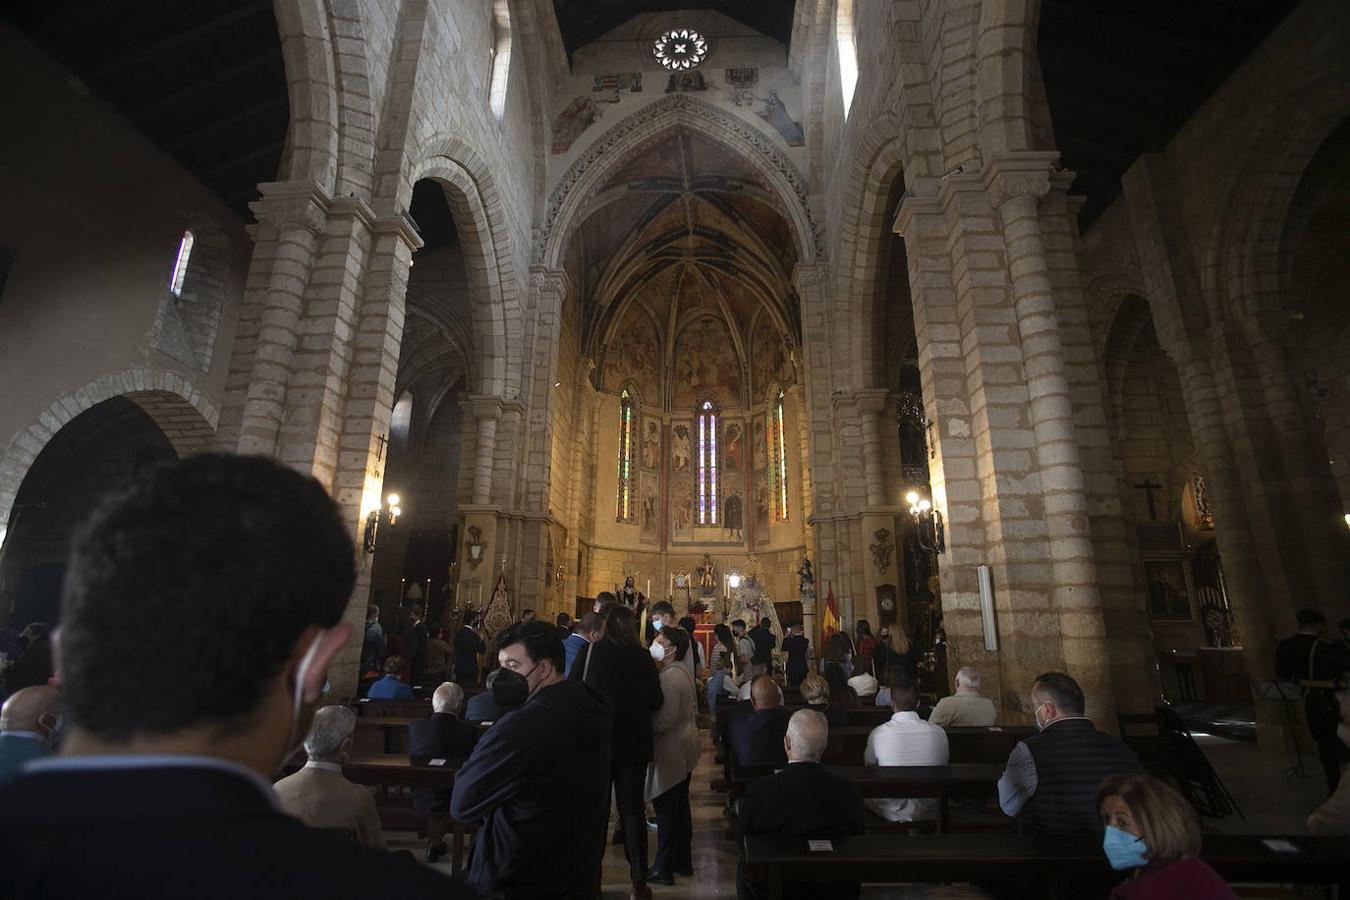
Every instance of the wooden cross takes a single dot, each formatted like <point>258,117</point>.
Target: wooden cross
<point>1148,487</point>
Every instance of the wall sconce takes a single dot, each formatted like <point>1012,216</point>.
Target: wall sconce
<point>376,537</point>
<point>928,524</point>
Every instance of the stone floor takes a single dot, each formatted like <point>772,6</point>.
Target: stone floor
<point>1271,805</point>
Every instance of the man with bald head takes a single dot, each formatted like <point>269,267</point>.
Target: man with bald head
<point>29,724</point>
<point>443,736</point>
<point>803,800</point>
<point>757,739</point>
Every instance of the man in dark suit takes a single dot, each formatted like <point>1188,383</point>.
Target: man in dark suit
<point>443,736</point>
<point>757,739</point>
<point>468,644</point>
<point>803,800</point>
<point>795,645</point>
<point>764,642</point>
<point>537,778</point>
<point>482,706</point>
<point>164,772</point>
<point>1318,666</point>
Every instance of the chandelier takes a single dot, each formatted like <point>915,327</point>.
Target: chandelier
<point>680,49</point>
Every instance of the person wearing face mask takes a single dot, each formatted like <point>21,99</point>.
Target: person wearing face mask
<point>230,575</point>
<point>1332,818</point>
<point>674,756</point>
<point>29,727</point>
<point>620,669</point>
<point>1151,831</point>
<point>537,779</point>
<point>1051,778</point>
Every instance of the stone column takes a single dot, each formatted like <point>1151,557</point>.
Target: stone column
<point>870,403</point>
<point>291,217</point>
<point>486,411</point>
<point>1016,185</point>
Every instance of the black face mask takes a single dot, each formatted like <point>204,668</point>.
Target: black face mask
<point>510,689</point>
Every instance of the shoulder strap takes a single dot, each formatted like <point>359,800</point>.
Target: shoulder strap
<point>586,669</point>
<point>1312,651</point>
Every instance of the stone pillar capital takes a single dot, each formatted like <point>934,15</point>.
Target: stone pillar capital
<point>1020,175</point>
<point>810,276</point>
<point>292,203</point>
<point>482,406</point>
<point>871,401</point>
<point>551,281</point>
<point>921,199</point>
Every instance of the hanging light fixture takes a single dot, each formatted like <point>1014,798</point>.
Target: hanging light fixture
<point>929,529</point>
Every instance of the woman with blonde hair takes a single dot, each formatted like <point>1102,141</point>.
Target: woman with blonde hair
<point>1152,830</point>
<point>816,692</point>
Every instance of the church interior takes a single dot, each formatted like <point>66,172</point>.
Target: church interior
<point>1018,329</point>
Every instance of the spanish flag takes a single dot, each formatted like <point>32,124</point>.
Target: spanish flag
<point>829,623</point>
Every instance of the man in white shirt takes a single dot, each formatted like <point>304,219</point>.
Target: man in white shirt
<point>966,706</point>
<point>865,685</point>
<point>906,740</point>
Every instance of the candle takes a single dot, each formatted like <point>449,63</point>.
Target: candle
<point>649,587</point>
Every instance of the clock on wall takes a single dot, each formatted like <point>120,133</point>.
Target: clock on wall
<point>680,49</point>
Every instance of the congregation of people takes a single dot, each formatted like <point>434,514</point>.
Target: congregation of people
<point>218,760</point>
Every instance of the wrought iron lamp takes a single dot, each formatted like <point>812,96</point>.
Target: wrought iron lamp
<point>929,529</point>
<point>380,523</point>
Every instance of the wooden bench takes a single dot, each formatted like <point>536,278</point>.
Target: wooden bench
<point>1056,866</point>
<point>384,771</point>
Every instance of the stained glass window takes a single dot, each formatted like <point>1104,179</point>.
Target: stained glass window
<point>624,512</point>
<point>180,265</point>
<point>776,437</point>
<point>707,463</point>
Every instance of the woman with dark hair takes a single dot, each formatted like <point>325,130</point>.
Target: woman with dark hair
<point>1152,831</point>
<point>695,648</point>
<point>674,757</point>
<point>721,664</point>
<point>841,695</point>
<point>867,645</point>
<point>619,669</point>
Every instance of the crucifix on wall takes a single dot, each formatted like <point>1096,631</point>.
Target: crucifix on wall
<point>1148,487</point>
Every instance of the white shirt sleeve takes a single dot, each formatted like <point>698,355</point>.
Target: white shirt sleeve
<point>1018,781</point>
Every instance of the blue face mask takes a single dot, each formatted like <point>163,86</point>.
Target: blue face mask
<point>1123,850</point>
<point>657,623</point>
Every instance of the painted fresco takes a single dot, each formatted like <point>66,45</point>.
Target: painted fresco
<point>733,447</point>
<point>681,448</point>
<point>706,365</point>
<point>768,359</point>
<point>649,506</point>
<point>759,448</point>
<point>682,508</point>
<point>733,506</point>
<point>631,359</point>
<point>761,492</point>
<point>651,443</point>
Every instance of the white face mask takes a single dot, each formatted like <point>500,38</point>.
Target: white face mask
<point>294,740</point>
<point>658,651</point>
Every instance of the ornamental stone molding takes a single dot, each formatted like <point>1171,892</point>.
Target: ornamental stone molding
<point>1020,175</point>
<point>611,148</point>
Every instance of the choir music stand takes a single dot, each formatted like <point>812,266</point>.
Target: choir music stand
<point>1287,693</point>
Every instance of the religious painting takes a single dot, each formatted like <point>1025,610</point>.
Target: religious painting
<point>680,82</point>
<point>776,114</point>
<point>579,115</point>
<point>733,446</point>
<point>739,81</point>
<point>761,491</point>
<point>882,548</point>
<point>682,509</point>
<point>769,360</point>
<point>759,449</point>
<point>649,506</point>
<point>651,443</point>
<point>733,506</point>
<point>706,365</point>
<point>680,448</point>
<point>475,547</point>
<point>630,359</point>
<point>618,81</point>
<point>1167,585</point>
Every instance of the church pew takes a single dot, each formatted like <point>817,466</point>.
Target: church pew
<point>384,771</point>
<point>417,709</point>
<point>943,783</point>
<point>964,744</point>
<point>382,734</point>
<point>1057,866</point>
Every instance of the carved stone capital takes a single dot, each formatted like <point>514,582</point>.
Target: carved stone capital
<point>809,277</point>
<point>292,203</point>
<point>482,406</point>
<point>1019,175</point>
<point>543,280</point>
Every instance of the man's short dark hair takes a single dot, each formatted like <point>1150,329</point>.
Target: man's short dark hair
<point>188,589</point>
<point>589,624</point>
<point>1308,618</point>
<point>527,611</point>
<point>605,598</point>
<point>1061,690</point>
<point>540,640</point>
<point>738,623</point>
<point>764,622</point>
<point>662,608</point>
<point>904,693</point>
<point>563,620</point>
<point>395,665</point>
<point>687,623</point>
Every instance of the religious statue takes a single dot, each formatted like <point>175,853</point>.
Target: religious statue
<point>629,595</point>
<point>806,579</point>
<point>707,577</point>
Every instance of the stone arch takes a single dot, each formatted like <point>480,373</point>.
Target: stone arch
<point>185,415</point>
<point>311,152</point>
<point>612,148</point>
<point>1241,260</point>
<point>1132,316</point>
<point>1010,103</point>
<point>494,297</point>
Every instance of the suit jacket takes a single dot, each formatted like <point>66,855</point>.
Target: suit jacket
<point>482,708</point>
<point>803,800</point>
<point>757,739</point>
<point>440,737</point>
<point>390,688</point>
<point>625,676</point>
<point>764,642</point>
<point>189,830</point>
<point>468,644</point>
<point>572,645</point>
<point>322,798</point>
<point>538,780</point>
<point>15,750</point>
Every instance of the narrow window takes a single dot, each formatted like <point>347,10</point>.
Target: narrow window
<point>780,462</point>
<point>707,463</point>
<point>501,57</point>
<point>180,265</point>
<point>624,511</point>
<point>846,37</point>
<point>400,421</point>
